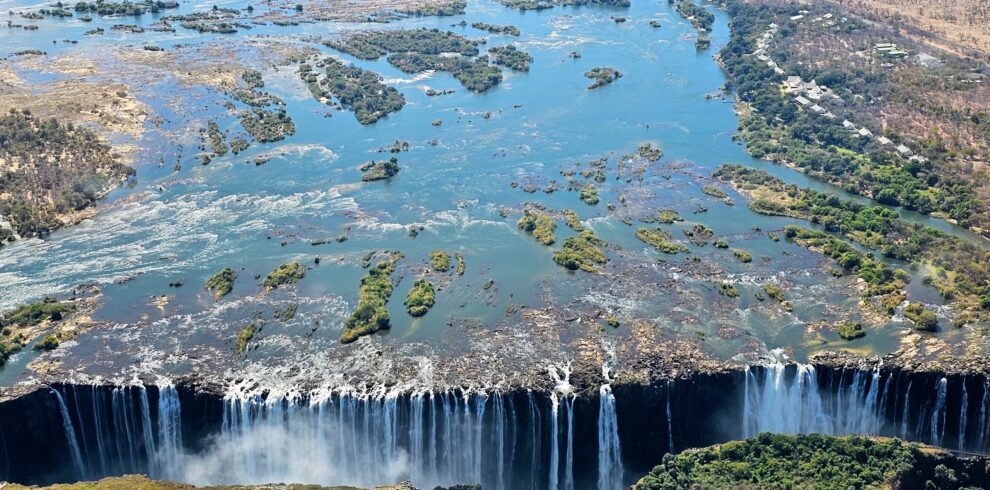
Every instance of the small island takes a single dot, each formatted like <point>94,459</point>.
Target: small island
<point>382,170</point>
<point>285,274</point>
<point>602,76</point>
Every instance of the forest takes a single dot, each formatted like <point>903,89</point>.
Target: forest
<point>49,169</point>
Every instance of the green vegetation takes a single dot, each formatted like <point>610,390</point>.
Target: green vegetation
<point>32,314</point>
<point>612,321</point>
<point>961,269</point>
<point>460,264</point>
<point>474,74</point>
<point>880,279</point>
<point>218,142</point>
<point>573,221</point>
<point>923,319</point>
<point>515,59</point>
<point>775,292</point>
<point>589,195</point>
<point>374,45</point>
<point>602,76</point>
<point>717,194</point>
<point>699,234</point>
<point>382,170</point>
<point>455,7</point>
<point>420,298</point>
<point>581,252</point>
<point>125,8</point>
<point>245,335</point>
<point>771,461</point>
<point>221,283</point>
<point>267,126</point>
<point>720,243</point>
<point>496,29</point>
<point>253,79</point>
<point>664,217</point>
<point>540,225</point>
<point>288,313</point>
<point>546,4</point>
<point>742,255</point>
<point>700,18</point>
<point>47,343</point>
<point>729,290</point>
<point>51,169</point>
<point>358,90</point>
<point>287,273</point>
<point>661,240</point>
<point>373,295</point>
<point>440,260</point>
<point>851,330</point>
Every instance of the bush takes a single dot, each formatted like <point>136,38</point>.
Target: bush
<point>49,342</point>
<point>440,260</point>
<point>221,283</point>
<point>288,273</point>
<point>420,298</point>
<point>851,330</point>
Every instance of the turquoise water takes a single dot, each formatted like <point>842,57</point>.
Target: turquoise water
<point>454,181</point>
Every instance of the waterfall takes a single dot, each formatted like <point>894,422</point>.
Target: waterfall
<point>984,414</point>
<point>905,413</point>
<point>788,405</point>
<point>569,459</point>
<point>609,452</point>
<point>555,444</point>
<point>938,413</point>
<point>535,449</point>
<point>964,408</point>
<point>670,420</point>
<point>70,436</point>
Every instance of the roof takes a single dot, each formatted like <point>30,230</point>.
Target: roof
<point>903,150</point>
<point>883,140</point>
<point>865,132</point>
<point>802,100</point>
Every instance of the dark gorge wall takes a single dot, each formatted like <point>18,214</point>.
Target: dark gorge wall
<point>605,437</point>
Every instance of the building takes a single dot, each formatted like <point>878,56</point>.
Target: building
<point>848,125</point>
<point>801,100</point>
<point>883,140</point>
<point>866,133</point>
<point>903,150</point>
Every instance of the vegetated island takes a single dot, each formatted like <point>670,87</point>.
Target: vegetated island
<point>602,76</point>
<point>816,461</point>
<point>285,274</point>
<point>358,90</point>
<point>419,50</point>
<point>510,30</point>
<point>959,270</point>
<point>49,172</point>
<point>373,295</point>
<point>381,170</point>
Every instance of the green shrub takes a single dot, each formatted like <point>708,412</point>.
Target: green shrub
<point>49,342</point>
<point>420,298</point>
<point>440,260</point>
<point>221,283</point>
<point>742,255</point>
<point>660,239</point>
<point>371,315</point>
<point>287,273</point>
<point>851,330</point>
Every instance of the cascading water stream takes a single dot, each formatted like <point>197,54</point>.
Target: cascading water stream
<point>70,436</point>
<point>609,450</point>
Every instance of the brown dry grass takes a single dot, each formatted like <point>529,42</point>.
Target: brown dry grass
<point>958,25</point>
